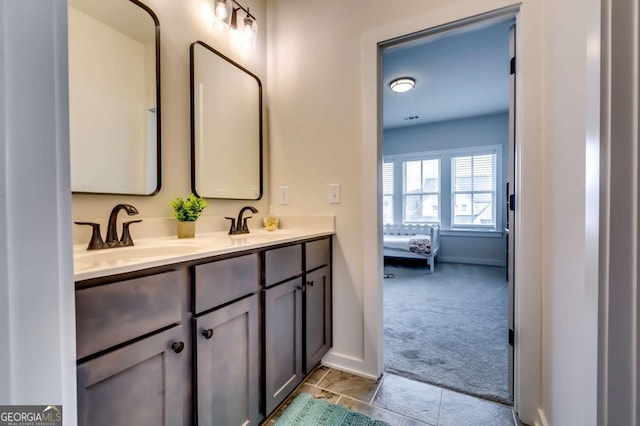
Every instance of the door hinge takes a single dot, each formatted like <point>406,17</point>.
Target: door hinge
<point>512,337</point>
<point>512,66</point>
<point>512,202</point>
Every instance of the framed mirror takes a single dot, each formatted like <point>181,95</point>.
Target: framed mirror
<point>226,127</point>
<point>114,97</point>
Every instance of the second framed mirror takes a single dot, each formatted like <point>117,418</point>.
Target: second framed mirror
<point>226,127</point>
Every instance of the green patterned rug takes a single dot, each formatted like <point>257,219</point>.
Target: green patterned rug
<point>308,411</point>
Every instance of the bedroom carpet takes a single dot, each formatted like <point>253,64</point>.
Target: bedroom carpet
<point>448,328</point>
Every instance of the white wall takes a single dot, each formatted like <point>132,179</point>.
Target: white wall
<point>492,129</point>
<point>316,72</point>
<point>182,23</point>
<point>37,326</point>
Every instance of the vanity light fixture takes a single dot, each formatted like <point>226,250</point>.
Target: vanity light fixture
<point>402,84</point>
<point>225,17</point>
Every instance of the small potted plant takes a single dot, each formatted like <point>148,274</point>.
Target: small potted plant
<point>187,211</point>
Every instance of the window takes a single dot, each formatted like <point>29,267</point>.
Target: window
<point>474,190</point>
<point>387,194</point>
<point>421,191</point>
<point>456,188</point>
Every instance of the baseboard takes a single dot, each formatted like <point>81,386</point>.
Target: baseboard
<point>542,418</point>
<point>470,261</point>
<point>348,364</point>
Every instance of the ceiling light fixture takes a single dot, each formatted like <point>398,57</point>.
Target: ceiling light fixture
<point>402,84</point>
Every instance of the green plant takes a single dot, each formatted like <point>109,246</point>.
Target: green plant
<point>188,210</point>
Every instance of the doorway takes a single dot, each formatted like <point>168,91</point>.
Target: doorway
<point>448,159</point>
<point>529,173</point>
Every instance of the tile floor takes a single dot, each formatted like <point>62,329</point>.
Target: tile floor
<point>400,401</point>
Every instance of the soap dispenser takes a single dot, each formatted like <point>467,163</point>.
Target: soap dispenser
<point>270,222</point>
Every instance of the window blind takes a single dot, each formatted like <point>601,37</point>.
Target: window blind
<point>474,190</point>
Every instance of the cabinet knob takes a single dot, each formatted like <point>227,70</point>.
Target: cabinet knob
<point>310,283</point>
<point>208,333</point>
<point>178,347</point>
<point>299,287</point>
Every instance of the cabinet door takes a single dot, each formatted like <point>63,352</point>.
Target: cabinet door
<point>139,384</point>
<point>282,340</point>
<point>227,362</point>
<point>317,316</point>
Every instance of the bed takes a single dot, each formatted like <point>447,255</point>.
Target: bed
<point>415,241</point>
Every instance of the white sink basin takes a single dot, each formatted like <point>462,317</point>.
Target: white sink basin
<point>95,258</point>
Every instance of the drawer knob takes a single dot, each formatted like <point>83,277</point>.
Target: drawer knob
<point>178,347</point>
<point>208,333</point>
<point>310,283</point>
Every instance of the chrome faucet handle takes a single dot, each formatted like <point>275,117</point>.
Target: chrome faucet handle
<point>125,239</point>
<point>96,242</point>
<point>232,228</point>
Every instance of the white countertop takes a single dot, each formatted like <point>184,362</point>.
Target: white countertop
<point>151,252</point>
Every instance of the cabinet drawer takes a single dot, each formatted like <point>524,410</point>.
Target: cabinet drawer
<point>282,263</point>
<point>317,254</point>
<point>220,282</point>
<point>115,313</point>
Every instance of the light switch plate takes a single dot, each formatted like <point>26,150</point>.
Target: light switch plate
<point>334,193</point>
<point>284,195</point>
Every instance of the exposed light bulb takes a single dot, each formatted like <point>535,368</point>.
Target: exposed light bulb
<point>221,9</point>
<point>247,29</point>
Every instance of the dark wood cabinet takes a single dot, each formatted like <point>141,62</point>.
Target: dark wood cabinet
<point>228,365</point>
<point>139,384</point>
<point>297,315</point>
<point>317,316</point>
<point>282,341</point>
<point>218,341</point>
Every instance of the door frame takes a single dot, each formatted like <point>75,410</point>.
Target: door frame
<point>528,159</point>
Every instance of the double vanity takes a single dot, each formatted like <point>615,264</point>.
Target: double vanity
<point>213,330</point>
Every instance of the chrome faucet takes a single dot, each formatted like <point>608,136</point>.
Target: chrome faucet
<point>112,240</point>
<point>239,225</point>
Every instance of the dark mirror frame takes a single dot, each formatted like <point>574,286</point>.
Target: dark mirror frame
<point>158,112</point>
<point>193,137</point>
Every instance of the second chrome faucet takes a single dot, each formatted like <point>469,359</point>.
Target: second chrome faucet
<point>239,225</point>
